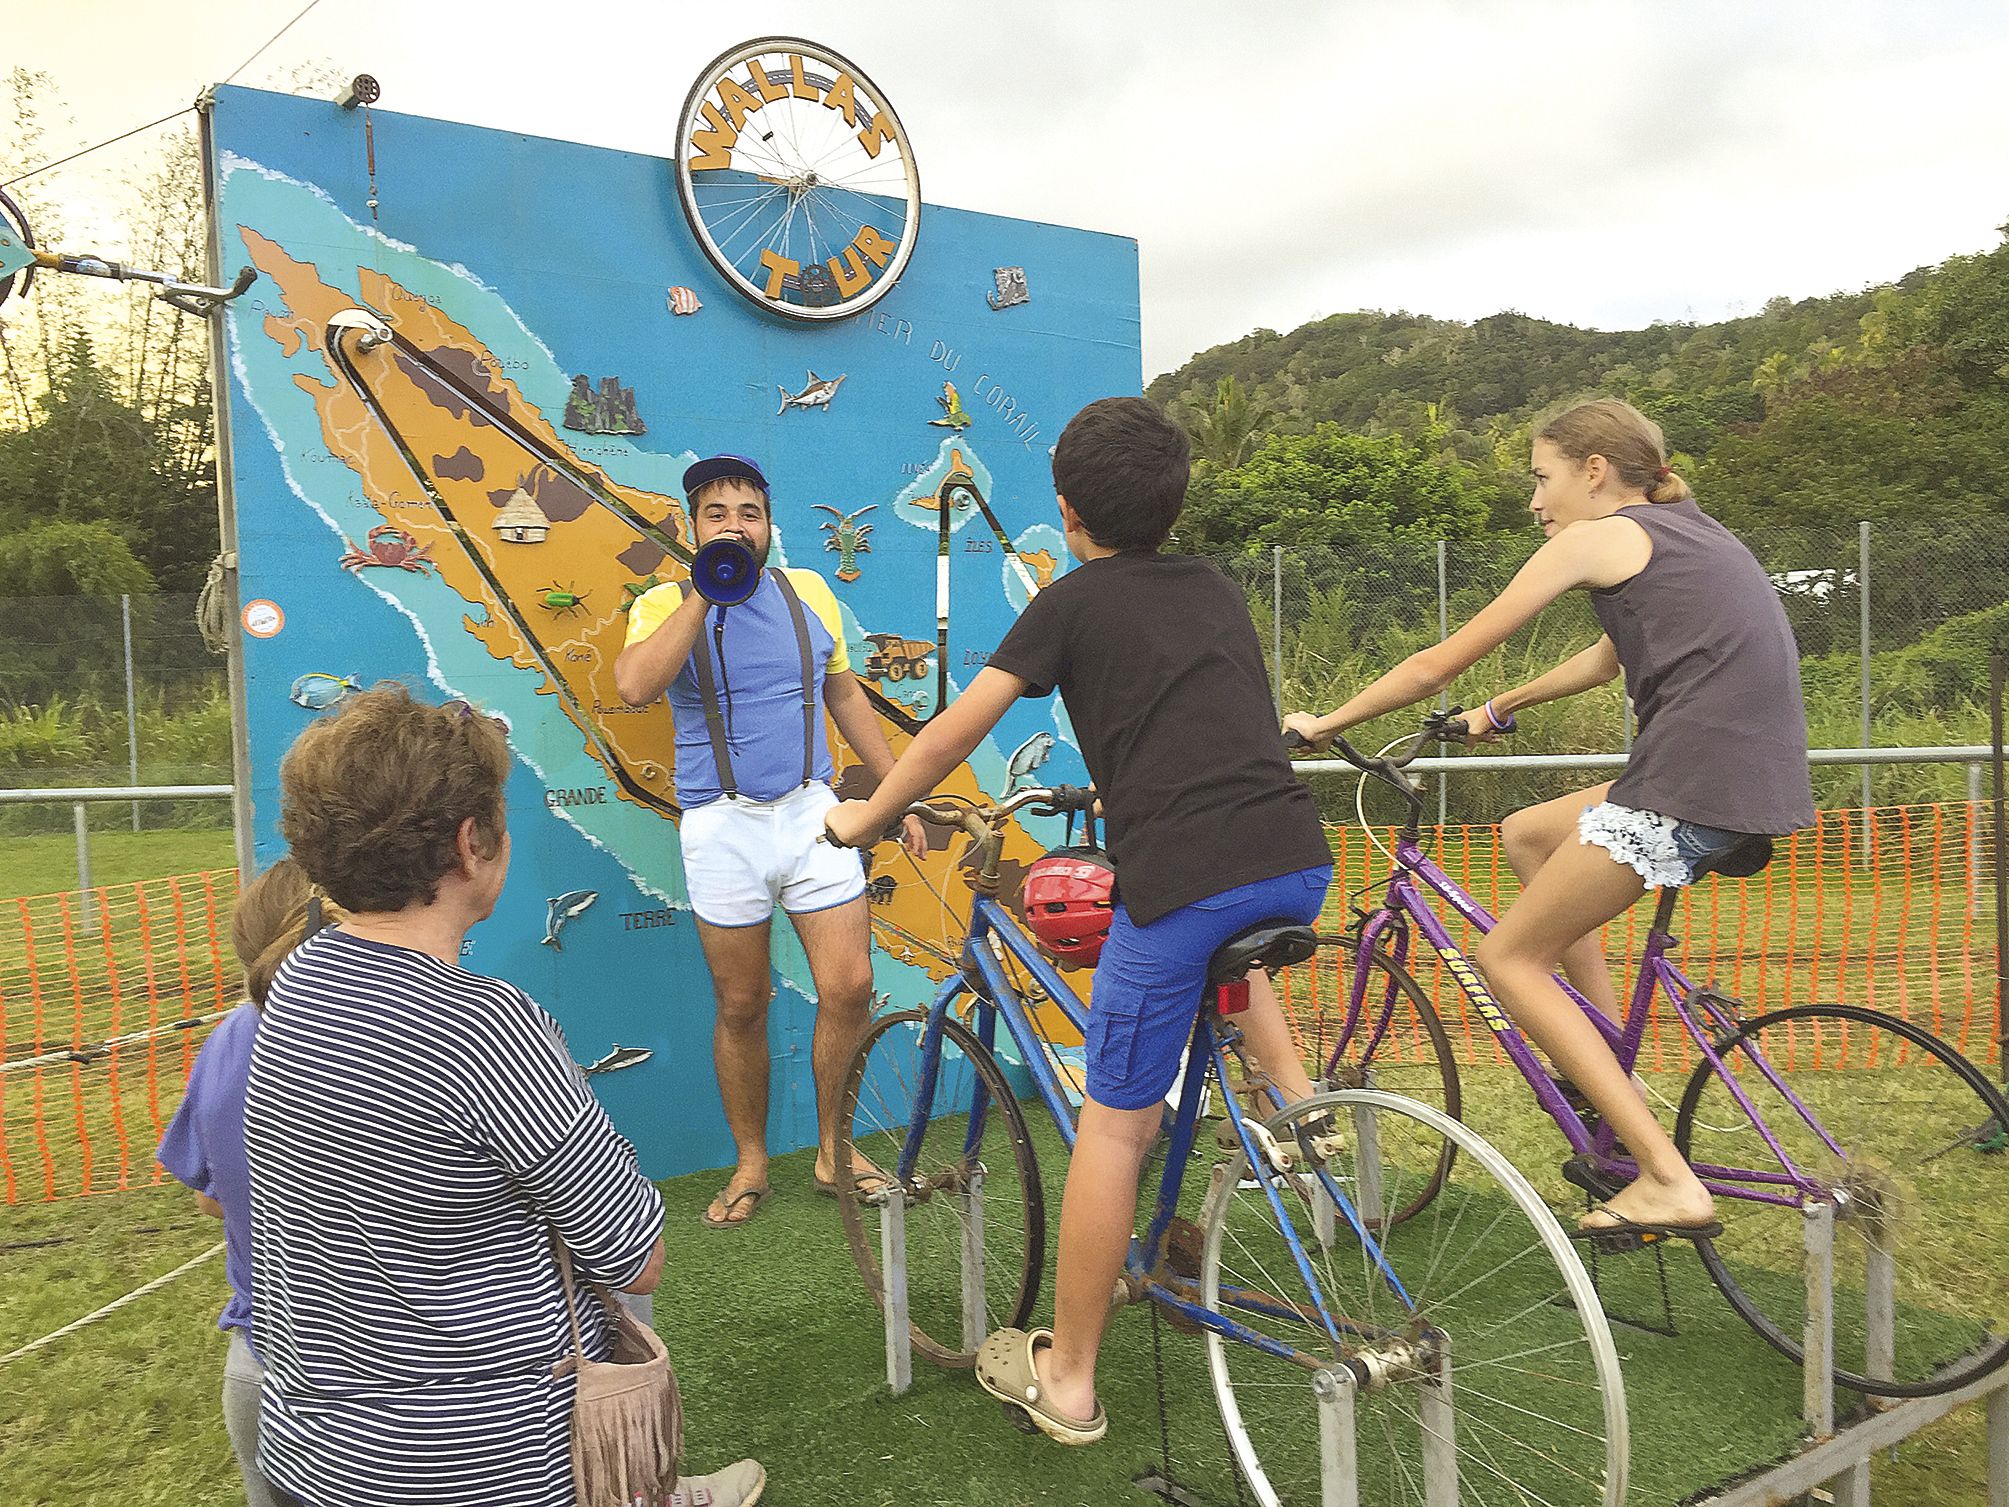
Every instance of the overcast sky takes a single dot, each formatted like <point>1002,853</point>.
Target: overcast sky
<point>1599,162</point>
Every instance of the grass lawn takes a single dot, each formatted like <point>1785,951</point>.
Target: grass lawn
<point>779,1353</point>
<point>43,863</point>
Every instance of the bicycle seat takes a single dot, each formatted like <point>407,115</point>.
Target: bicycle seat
<point>1739,861</point>
<point>1271,945</point>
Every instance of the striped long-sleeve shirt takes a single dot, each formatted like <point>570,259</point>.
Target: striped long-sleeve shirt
<point>415,1131</point>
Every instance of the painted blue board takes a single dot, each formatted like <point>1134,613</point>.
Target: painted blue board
<point>526,263</point>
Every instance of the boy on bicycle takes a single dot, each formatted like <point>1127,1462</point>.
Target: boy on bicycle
<point>1161,672</point>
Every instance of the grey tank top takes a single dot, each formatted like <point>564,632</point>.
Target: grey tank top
<point>1714,676</point>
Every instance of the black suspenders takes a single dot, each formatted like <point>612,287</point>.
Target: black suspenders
<point>708,688</point>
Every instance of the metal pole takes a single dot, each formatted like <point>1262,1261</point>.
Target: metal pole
<point>80,814</point>
<point>1998,670</point>
<point>1443,697</point>
<point>1817,1377</point>
<point>226,504</point>
<point>893,1279</point>
<point>132,718</point>
<point>1862,640</point>
<point>1973,839</point>
<point>1277,621</point>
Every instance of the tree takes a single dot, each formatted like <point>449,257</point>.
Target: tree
<point>69,559</point>
<point>1228,429</point>
<point>1330,490</point>
<point>105,409</point>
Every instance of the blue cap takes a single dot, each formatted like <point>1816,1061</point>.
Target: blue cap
<point>719,468</point>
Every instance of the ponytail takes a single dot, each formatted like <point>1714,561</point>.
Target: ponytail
<point>1630,442</point>
<point>1667,487</point>
<point>274,915</point>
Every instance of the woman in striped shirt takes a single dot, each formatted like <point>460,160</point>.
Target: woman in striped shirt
<point>416,1135</point>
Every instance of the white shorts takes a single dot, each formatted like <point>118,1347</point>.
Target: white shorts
<point>743,857</point>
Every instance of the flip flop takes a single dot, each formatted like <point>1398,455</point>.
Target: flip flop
<point>1005,1370</point>
<point>1628,1235</point>
<point>727,1222</point>
<point>877,1180</point>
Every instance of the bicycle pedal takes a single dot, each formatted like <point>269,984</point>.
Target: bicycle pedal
<point>1275,1153</point>
<point>1580,1172</point>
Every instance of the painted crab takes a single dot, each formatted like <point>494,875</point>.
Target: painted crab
<point>390,545</point>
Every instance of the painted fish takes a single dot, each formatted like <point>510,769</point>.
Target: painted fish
<point>817,394</point>
<point>1027,757</point>
<point>563,909</point>
<point>317,692</point>
<point>684,301</point>
<point>619,1058</point>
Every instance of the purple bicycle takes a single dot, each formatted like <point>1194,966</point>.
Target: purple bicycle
<point>1887,1124</point>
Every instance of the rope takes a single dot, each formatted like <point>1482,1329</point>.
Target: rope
<point>269,41</point>
<point>114,141</point>
<point>212,617</point>
<point>173,115</point>
<point>115,1305</point>
<point>105,1048</point>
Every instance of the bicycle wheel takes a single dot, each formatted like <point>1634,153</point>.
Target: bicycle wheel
<point>974,1191</point>
<point>1909,1167</point>
<point>1497,1379</point>
<point>1398,1042</point>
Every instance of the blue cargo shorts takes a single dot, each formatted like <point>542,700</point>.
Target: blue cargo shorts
<point>1149,980</point>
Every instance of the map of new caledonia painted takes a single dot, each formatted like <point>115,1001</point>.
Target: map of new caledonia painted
<point>462,394</point>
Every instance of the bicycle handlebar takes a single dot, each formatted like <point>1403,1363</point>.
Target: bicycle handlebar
<point>1444,727</point>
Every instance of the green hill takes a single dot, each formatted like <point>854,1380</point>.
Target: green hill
<point>1889,403</point>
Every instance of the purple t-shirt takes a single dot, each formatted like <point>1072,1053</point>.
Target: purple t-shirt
<point>204,1148</point>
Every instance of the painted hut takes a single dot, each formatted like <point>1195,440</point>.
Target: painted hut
<point>521,521</point>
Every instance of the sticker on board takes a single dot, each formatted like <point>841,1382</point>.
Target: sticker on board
<point>263,618</point>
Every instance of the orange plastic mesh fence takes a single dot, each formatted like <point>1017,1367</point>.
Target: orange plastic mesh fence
<point>1891,909</point>
<point>105,996</point>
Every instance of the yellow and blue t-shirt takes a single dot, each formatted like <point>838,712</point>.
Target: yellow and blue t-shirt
<point>759,685</point>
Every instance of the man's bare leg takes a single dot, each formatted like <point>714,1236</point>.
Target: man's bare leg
<point>741,986</point>
<point>838,944</point>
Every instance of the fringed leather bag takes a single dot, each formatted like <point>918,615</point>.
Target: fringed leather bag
<point>627,1419</point>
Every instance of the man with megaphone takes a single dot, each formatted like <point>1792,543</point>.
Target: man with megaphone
<point>751,657</point>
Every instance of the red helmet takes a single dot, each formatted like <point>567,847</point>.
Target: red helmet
<point>1068,897</point>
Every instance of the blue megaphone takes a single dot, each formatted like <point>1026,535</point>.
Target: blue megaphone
<point>724,571</point>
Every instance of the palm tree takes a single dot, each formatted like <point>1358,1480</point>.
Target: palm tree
<point>1226,432</point>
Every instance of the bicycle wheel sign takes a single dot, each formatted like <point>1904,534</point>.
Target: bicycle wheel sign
<point>798,179</point>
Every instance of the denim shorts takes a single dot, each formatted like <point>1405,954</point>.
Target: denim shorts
<point>1662,850</point>
<point>1149,980</point>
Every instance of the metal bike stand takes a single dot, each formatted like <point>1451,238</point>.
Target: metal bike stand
<point>1367,1194</point>
<point>1335,1388</point>
<point>1440,1438</point>
<point>1338,1450</point>
<point>893,1278</point>
<point>976,1322</point>
<point>1835,1460</point>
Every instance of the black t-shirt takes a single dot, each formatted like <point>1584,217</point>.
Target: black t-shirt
<point>1163,677</point>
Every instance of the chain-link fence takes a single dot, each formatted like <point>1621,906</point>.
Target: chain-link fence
<point>1894,622</point>
<point>110,691</point>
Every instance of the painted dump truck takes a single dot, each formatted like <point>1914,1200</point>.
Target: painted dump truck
<point>895,658</point>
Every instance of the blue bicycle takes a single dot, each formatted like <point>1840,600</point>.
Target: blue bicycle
<point>1458,1355</point>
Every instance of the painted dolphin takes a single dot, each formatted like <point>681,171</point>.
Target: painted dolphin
<point>817,394</point>
<point>317,691</point>
<point>563,909</point>
<point>1027,757</point>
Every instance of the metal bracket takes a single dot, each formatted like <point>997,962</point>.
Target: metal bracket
<point>893,1284</point>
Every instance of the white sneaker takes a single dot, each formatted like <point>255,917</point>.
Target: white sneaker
<point>738,1485</point>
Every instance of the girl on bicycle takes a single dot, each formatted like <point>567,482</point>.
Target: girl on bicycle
<point>1695,625</point>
